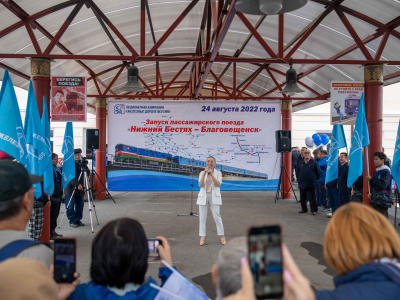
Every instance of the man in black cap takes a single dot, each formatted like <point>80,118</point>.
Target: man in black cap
<point>75,186</point>
<point>16,205</point>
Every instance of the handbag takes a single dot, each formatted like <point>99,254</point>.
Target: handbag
<point>381,199</point>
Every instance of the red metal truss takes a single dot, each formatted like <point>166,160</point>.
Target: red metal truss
<point>217,16</point>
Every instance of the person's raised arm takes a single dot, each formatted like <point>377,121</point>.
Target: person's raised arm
<point>203,176</point>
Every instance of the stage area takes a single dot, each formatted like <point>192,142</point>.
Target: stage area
<point>158,212</point>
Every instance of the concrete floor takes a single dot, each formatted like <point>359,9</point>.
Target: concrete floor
<point>158,212</point>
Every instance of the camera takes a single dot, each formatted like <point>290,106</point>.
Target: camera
<point>83,163</point>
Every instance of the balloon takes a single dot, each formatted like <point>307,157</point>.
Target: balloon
<point>324,139</point>
<point>309,142</point>
<point>317,140</point>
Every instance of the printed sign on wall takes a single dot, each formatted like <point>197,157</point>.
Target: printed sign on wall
<point>345,98</point>
<point>68,99</point>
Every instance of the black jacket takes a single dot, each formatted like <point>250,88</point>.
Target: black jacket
<point>42,200</point>
<point>58,192</point>
<point>74,183</point>
<point>295,157</point>
<point>381,187</point>
<point>308,174</point>
<point>342,177</point>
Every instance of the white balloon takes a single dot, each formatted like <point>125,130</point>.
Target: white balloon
<point>309,142</point>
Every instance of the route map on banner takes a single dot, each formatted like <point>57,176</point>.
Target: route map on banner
<point>158,145</point>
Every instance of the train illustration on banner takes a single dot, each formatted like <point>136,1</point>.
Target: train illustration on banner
<point>130,157</point>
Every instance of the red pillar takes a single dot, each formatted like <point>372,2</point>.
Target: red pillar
<point>287,156</point>
<point>40,77</point>
<point>373,77</point>
<point>101,115</point>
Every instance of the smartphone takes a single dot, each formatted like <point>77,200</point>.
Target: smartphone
<point>265,258</point>
<point>64,259</point>
<point>153,244</point>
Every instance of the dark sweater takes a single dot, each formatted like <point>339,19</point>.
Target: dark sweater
<point>308,174</point>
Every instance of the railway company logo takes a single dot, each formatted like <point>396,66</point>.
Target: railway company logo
<point>119,109</point>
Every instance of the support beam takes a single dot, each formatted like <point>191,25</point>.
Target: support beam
<point>373,77</point>
<point>101,121</point>
<point>40,76</point>
<point>220,38</point>
<point>287,156</point>
<point>172,27</point>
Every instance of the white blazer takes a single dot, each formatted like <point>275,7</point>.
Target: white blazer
<point>216,191</point>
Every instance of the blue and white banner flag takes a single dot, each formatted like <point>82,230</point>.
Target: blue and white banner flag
<point>177,287</point>
<point>68,171</point>
<point>359,140</point>
<point>396,160</point>
<point>338,141</point>
<point>48,175</point>
<point>38,151</point>
<point>12,136</point>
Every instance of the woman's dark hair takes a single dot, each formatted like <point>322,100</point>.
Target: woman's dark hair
<point>119,254</point>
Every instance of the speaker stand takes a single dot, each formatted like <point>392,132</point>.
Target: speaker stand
<point>281,182</point>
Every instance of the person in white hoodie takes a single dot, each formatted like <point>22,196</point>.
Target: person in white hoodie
<point>380,185</point>
<point>210,181</point>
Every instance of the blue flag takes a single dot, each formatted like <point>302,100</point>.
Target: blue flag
<point>359,140</point>
<point>38,150</point>
<point>68,171</point>
<point>396,160</point>
<point>338,141</point>
<point>48,175</point>
<point>12,136</point>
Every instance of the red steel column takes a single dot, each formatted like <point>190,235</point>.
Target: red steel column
<point>287,156</point>
<point>101,115</point>
<point>373,77</point>
<point>40,77</point>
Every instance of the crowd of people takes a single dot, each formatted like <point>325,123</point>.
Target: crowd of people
<point>311,170</point>
<point>359,243</point>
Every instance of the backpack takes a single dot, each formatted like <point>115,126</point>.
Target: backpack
<point>16,247</point>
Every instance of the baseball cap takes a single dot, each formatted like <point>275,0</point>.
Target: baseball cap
<point>77,150</point>
<point>15,180</point>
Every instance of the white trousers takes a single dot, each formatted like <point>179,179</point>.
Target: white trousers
<point>203,209</point>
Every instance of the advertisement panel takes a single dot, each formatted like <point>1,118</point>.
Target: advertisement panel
<point>157,144</point>
<point>345,98</point>
<point>68,99</point>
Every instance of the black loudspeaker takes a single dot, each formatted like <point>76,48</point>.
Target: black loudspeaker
<point>283,141</point>
<point>92,138</point>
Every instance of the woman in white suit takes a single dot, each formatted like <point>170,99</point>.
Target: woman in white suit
<point>210,196</point>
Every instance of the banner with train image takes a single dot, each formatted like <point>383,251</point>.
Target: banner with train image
<point>163,145</point>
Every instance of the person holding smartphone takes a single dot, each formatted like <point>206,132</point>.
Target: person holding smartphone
<point>210,181</point>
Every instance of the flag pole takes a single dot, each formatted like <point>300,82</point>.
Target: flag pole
<point>367,159</point>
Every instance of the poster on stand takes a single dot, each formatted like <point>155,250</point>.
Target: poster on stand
<point>163,145</point>
<point>68,99</point>
<point>345,99</point>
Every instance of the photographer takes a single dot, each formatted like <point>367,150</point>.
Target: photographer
<point>75,208</point>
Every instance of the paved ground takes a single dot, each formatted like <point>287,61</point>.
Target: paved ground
<point>158,212</point>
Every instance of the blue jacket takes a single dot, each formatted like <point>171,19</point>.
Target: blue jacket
<point>323,165</point>
<point>342,177</point>
<point>94,291</point>
<point>373,281</point>
<point>308,174</point>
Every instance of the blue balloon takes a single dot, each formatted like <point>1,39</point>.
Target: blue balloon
<point>324,139</point>
<point>317,140</point>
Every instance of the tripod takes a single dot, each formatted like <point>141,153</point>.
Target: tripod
<point>89,195</point>
<point>191,198</point>
<point>282,182</point>
<point>108,195</point>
